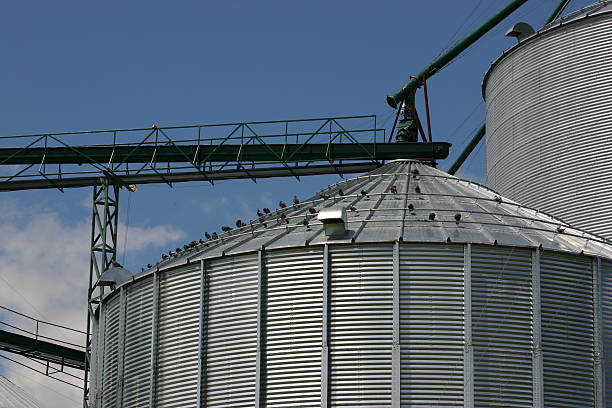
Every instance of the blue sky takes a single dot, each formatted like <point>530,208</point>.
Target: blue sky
<point>74,65</point>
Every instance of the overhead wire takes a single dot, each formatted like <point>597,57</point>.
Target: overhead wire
<point>40,372</point>
<point>41,384</point>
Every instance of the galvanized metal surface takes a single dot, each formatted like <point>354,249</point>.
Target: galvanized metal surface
<point>110,347</point>
<point>606,317</point>
<point>361,332</point>
<point>177,356</point>
<point>432,325</point>
<point>294,327</point>
<point>386,324</point>
<point>138,340</point>
<point>548,122</point>
<point>567,330</point>
<point>231,347</point>
<point>502,327</point>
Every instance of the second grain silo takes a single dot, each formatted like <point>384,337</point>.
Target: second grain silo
<point>549,121</point>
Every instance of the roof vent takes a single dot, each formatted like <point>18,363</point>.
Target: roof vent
<point>334,222</point>
<point>520,31</point>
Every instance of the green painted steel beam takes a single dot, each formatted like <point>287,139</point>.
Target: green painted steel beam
<point>558,10</point>
<point>177,153</point>
<point>41,350</point>
<point>468,150</point>
<point>453,52</point>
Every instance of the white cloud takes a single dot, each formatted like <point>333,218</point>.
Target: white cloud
<point>44,272</point>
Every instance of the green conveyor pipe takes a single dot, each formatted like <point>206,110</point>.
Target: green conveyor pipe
<point>468,150</point>
<point>453,52</point>
<point>555,15</point>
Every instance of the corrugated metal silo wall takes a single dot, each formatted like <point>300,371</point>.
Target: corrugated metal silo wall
<point>387,325</point>
<point>549,123</point>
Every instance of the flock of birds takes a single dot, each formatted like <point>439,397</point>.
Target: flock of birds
<point>265,216</point>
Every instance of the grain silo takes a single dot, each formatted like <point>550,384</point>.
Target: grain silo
<point>405,287</point>
<point>548,119</point>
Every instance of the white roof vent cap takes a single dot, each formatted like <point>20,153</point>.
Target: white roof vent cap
<point>334,222</point>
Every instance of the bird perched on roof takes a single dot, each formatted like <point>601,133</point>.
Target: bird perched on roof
<point>164,256</point>
<point>185,247</point>
<point>415,172</point>
<point>283,216</point>
<point>457,217</point>
<point>417,190</point>
<point>149,266</point>
<point>282,204</point>
<point>215,235</point>
<point>352,208</point>
<point>200,241</point>
<point>305,222</point>
<point>498,199</point>
<point>393,189</point>
<point>259,213</point>
<point>296,200</point>
<point>239,224</point>
<point>312,210</point>
<point>432,216</point>
<point>364,193</point>
<point>560,229</point>
<point>410,206</point>
<point>261,219</point>
<point>207,235</point>
<point>266,210</point>
<point>225,228</point>
<point>340,192</point>
<point>178,250</point>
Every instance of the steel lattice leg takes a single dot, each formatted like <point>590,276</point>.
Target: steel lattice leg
<point>103,251</point>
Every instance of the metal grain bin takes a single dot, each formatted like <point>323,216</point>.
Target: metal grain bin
<point>438,294</point>
<point>549,100</point>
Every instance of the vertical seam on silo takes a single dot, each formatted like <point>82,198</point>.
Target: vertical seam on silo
<point>120,347</point>
<point>597,332</point>
<point>202,336</point>
<point>260,362</point>
<point>537,356</point>
<point>395,351</point>
<point>154,335</point>
<point>468,351</point>
<point>325,355</point>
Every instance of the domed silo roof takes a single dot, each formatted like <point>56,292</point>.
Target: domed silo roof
<point>376,214</point>
<point>402,287</point>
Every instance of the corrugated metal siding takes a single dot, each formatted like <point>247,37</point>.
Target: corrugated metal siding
<point>548,124</point>
<point>567,330</point>
<point>502,327</point>
<point>177,358</point>
<point>294,327</point>
<point>431,325</point>
<point>231,343</point>
<point>138,337</point>
<point>96,360</point>
<point>606,313</point>
<point>361,325</point>
<point>111,350</point>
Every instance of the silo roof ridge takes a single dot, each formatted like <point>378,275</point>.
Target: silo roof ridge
<point>410,201</point>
